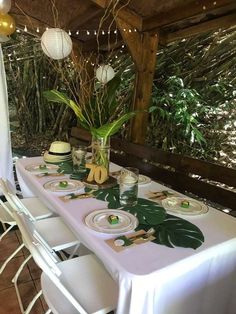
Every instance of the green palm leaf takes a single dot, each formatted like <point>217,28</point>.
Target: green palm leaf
<point>175,231</point>
<point>111,128</point>
<point>59,97</point>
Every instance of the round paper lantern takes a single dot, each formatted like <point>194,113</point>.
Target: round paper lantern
<point>4,38</point>
<point>56,43</point>
<point>7,24</point>
<point>5,6</point>
<point>105,73</point>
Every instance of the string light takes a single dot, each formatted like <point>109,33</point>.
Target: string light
<point>77,33</point>
<point>69,32</point>
<point>88,33</point>
<point>18,31</point>
<point>103,33</point>
<point>25,29</point>
<point>115,31</point>
<point>37,30</point>
<point>95,33</point>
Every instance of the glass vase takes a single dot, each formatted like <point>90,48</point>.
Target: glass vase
<point>101,152</point>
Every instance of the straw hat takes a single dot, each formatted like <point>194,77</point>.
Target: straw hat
<point>58,152</point>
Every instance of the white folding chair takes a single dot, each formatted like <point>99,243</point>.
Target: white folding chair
<point>47,228</point>
<point>36,209</point>
<point>6,217</point>
<point>80,285</point>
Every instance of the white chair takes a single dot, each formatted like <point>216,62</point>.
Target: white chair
<point>36,209</point>
<point>6,217</point>
<point>80,285</point>
<point>57,236</point>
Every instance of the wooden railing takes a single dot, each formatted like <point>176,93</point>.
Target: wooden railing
<point>208,180</point>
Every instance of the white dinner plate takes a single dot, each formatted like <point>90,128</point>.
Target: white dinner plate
<point>173,204</point>
<point>98,221</point>
<point>142,180</point>
<point>54,185</point>
<point>35,168</point>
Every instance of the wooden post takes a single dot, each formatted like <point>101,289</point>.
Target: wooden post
<point>143,49</point>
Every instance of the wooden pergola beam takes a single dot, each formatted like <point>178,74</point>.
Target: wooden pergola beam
<point>186,11</point>
<point>143,49</point>
<point>220,22</point>
<point>123,12</point>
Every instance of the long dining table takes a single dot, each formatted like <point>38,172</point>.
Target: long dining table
<point>153,278</point>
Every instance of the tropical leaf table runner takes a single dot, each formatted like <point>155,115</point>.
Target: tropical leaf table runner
<point>170,230</point>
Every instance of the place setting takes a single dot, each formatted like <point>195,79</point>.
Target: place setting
<point>67,185</point>
<point>42,169</point>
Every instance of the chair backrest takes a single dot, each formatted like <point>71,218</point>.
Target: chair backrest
<point>43,256</point>
<point>13,199</point>
<point>8,211</point>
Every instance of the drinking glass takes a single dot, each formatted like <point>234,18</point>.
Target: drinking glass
<point>79,158</point>
<point>128,182</point>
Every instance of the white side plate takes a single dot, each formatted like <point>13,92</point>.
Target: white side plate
<point>98,221</point>
<point>35,168</point>
<point>54,186</point>
<point>173,204</point>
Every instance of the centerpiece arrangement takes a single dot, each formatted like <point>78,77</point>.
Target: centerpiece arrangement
<point>102,116</point>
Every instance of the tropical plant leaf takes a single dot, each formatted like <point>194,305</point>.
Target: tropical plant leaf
<point>147,212</point>
<point>175,231</point>
<point>108,195</point>
<point>111,128</point>
<point>59,97</point>
<point>65,167</point>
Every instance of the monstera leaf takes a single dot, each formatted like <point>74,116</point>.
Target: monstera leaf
<point>108,195</point>
<point>175,231</point>
<point>65,167</point>
<point>147,212</point>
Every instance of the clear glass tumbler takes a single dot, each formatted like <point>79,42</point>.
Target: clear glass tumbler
<point>79,155</point>
<point>128,182</point>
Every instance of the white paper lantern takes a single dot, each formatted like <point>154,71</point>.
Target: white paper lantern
<point>56,43</point>
<point>5,6</point>
<point>105,73</point>
<point>4,38</point>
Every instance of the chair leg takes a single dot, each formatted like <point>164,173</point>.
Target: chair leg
<point>6,231</point>
<point>10,257</point>
<point>75,249</point>
<point>4,226</point>
<point>31,304</point>
<point>14,280</point>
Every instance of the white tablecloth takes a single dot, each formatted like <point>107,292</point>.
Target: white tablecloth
<point>155,279</point>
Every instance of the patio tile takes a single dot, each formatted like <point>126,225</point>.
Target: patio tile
<point>27,292</point>
<point>35,271</point>
<point>10,271</point>
<point>8,301</point>
<point>8,245</point>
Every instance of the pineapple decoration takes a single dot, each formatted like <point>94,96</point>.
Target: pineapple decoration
<point>7,23</point>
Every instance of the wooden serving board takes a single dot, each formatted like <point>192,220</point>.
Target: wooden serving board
<point>106,185</point>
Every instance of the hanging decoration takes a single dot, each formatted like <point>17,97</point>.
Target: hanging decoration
<point>56,43</point>
<point>4,38</point>
<point>7,24</point>
<point>105,73</point>
<point>5,6</point>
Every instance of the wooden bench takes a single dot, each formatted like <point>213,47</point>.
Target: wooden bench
<point>184,174</point>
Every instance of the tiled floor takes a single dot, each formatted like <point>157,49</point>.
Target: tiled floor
<point>29,280</point>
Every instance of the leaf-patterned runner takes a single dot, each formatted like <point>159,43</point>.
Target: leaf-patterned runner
<point>170,230</point>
